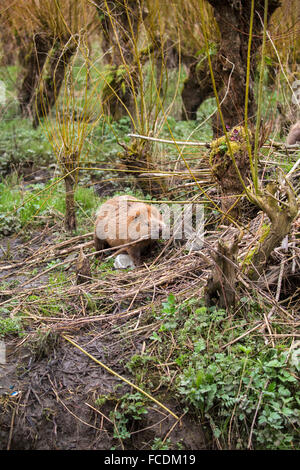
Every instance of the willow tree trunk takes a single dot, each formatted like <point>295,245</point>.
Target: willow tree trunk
<point>52,80</point>
<point>196,88</point>
<point>231,170</point>
<point>119,27</point>
<point>70,215</point>
<point>69,163</point>
<point>220,289</point>
<point>32,56</point>
<point>230,68</point>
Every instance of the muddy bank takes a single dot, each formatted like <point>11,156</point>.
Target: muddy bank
<point>48,401</point>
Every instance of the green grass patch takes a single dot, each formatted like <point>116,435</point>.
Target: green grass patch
<point>23,207</point>
<point>8,325</point>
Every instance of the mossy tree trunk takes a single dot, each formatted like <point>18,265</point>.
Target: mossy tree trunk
<point>33,55</point>
<point>230,63</point>
<point>224,170</point>
<point>280,204</point>
<point>51,82</point>
<point>118,93</point>
<point>221,286</point>
<point>119,30</point>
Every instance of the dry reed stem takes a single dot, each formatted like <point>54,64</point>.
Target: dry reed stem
<point>183,274</point>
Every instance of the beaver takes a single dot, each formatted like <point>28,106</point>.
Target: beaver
<point>122,220</point>
<point>294,134</point>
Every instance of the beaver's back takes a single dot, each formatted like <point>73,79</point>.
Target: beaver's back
<point>294,134</point>
<point>124,219</point>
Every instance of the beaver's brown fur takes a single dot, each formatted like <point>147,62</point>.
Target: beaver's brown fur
<point>122,220</point>
<point>294,134</point>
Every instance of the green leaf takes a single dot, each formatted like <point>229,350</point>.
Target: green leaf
<point>268,60</point>
<point>274,363</point>
<point>155,337</point>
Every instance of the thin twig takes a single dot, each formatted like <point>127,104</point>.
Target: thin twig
<point>165,141</point>
<point>255,414</point>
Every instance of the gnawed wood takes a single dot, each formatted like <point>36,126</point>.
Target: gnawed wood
<point>220,289</point>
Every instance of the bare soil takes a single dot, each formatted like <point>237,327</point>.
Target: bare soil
<point>48,388</point>
<point>54,406</point>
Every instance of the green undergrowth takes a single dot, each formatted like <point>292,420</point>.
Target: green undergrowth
<point>25,207</point>
<point>126,414</point>
<point>21,145</point>
<point>127,409</point>
<point>244,392</point>
<point>10,326</point>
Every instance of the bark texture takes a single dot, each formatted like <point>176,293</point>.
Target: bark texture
<point>33,55</point>
<point>220,288</point>
<point>230,65</point>
<point>52,80</point>
<point>224,169</point>
<point>119,27</point>
<point>196,89</point>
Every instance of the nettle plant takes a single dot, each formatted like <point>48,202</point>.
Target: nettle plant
<point>248,391</point>
<point>231,386</point>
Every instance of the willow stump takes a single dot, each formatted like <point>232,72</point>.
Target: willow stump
<point>220,289</point>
